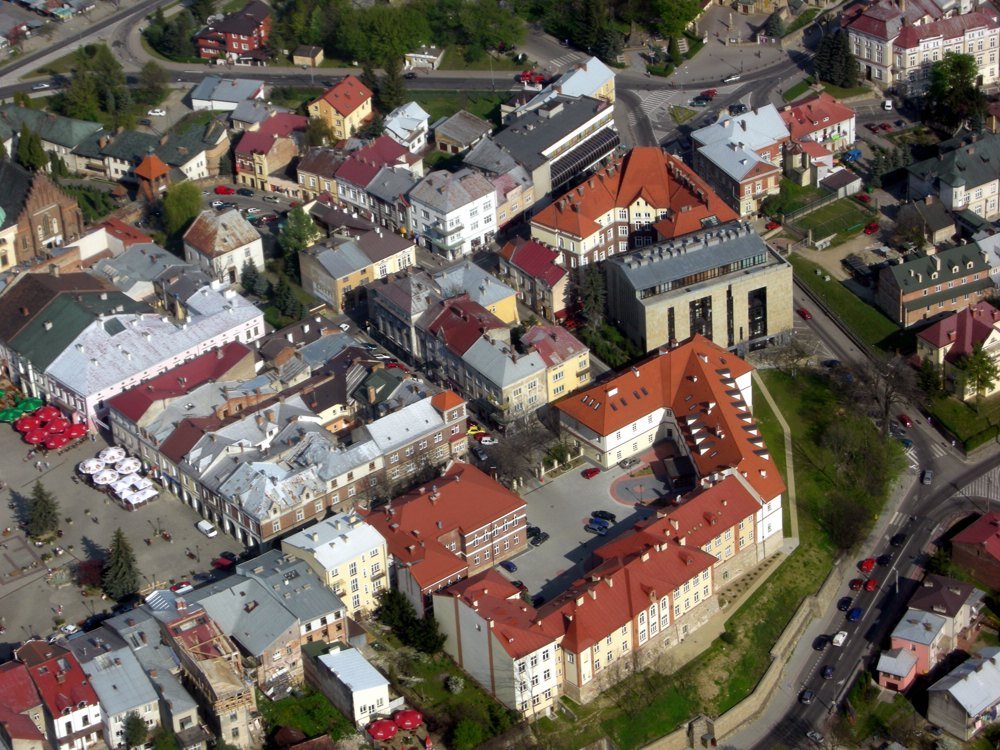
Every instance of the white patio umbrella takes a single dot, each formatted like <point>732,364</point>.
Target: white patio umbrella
<point>112,455</point>
<point>128,465</point>
<point>90,466</point>
<point>105,476</point>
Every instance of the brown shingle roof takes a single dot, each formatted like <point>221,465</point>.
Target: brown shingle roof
<point>214,234</point>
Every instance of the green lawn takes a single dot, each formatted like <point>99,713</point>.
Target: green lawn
<point>59,66</point>
<point>866,321</point>
<point>294,97</point>
<point>794,92</point>
<point>454,59</point>
<point>802,20</point>
<point>842,93</point>
<point>439,104</point>
<point>311,713</point>
<point>842,219</point>
<point>682,114</point>
<point>971,427</point>
<point>801,195</point>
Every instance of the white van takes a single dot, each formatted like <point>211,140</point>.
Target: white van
<point>838,640</point>
<point>207,529</point>
<point>887,105</point>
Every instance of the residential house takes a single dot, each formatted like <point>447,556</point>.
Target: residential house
<point>197,150</point>
<point>965,175</point>
<point>307,55</point>
<point>387,195</point>
<point>73,711</point>
<point>241,35</point>
<point>36,216</point>
<point>407,126</point>
<point>897,43</point>
<point>352,684</point>
<point>349,556</point>
<point>741,157</point>
<point>460,132</point>
<point>696,394</point>
<point>250,113</point>
<point>316,171</point>
<point>397,302</point>
<point>820,118</point>
<point>897,669</point>
<point>724,283</point>
<point>947,343</point>
<point>361,167</point>
<point>425,58</point>
<point>59,135</point>
<point>976,549</point>
<point>966,700</point>
<point>335,268</point>
<point>18,733</point>
<point>536,273</point>
<point>482,288</point>
<point>936,222</point>
<point>645,197</point>
<point>20,698</point>
<point>121,153</point>
<point>344,107</point>
<point>567,361</point>
<point>222,243</point>
<point>436,537</point>
<point>926,286</point>
<point>588,78</point>
<point>514,190</point>
<point>453,213</point>
<point>959,603</point>
<point>923,635</point>
<point>263,156</point>
<point>225,94</point>
<point>556,142</point>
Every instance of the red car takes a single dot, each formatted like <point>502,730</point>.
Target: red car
<point>871,584</point>
<point>864,197</point>
<point>806,315</point>
<point>709,93</point>
<point>856,584</point>
<point>867,565</point>
<point>396,366</point>
<point>905,420</point>
<point>872,228</point>
<point>772,225</point>
<point>223,190</point>
<point>886,127</point>
<point>872,126</point>
<point>590,473</point>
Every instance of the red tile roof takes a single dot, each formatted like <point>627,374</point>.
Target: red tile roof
<point>347,95</point>
<point>553,343</point>
<point>19,727</point>
<point>17,691</point>
<point>362,165</point>
<point>413,523</point>
<point>662,180</point>
<point>534,259</point>
<point>446,400</point>
<point>695,380</point>
<point>278,125</point>
<point>207,367</point>
<point>947,28</point>
<point>814,114</point>
<point>58,676</point>
<point>459,322</point>
<point>151,168</point>
<point>985,533</point>
<point>963,330</point>
<point>126,233</point>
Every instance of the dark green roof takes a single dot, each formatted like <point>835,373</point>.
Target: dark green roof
<point>63,131</point>
<point>971,163</point>
<point>947,294</point>
<point>90,146</point>
<point>181,147</point>
<point>131,146</point>
<point>948,265</point>
<point>46,336</point>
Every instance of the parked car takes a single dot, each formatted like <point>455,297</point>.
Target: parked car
<point>838,640</point>
<point>927,476</point>
<point>867,565</point>
<point>699,101</point>
<point>827,672</point>
<point>732,79</point>
<point>41,87</point>
<point>229,204</point>
<point>508,566</point>
<point>539,539</point>
<point>217,204</point>
<point>245,191</point>
<point>270,198</point>
<point>905,420</point>
<point>519,585</point>
<point>805,314</point>
<point>144,121</point>
<point>872,228</point>
<point>403,368</point>
<point>815,736</point>
<point>253,211</point>
<point>409,75</point>
<point>885,126</point>
<point>182,587</point>
<point>906,443</point>
<point>224,190</point>
<point>871,585</point>
<point>864,197</point>
<point>592,529</point>
<point>69,628</point>
<point>474,429</point>
<point>872,126</point>
<point>845,603</point>
<point>599,522</point>
<point>488,440</point>
<point>268,218</point>
<point>897,540</point>
<point>831,363</point>
<point>885,560</point>
<point>157,112</point>
<point>604,515</point>
<point>856,584</point>
<point>628,463</point>
<point>737,109</point>
<point>806,697</point>
<point>855,614</point>
<point>590,473</point>
<point>709,94</point>
<point>772,225</point>
<point>853,155</point>
<point>478,452</point>
<point>821,642</point>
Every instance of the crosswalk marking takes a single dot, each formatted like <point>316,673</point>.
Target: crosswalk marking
<point>567,59</point>
<point>654,100</point>
<point>986,485</point>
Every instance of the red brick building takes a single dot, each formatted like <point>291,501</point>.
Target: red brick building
<point>45,216</point>
<point>239,34</point>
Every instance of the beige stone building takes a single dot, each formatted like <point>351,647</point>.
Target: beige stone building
<point>345,107</point>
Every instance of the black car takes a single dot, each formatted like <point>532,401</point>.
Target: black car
<point>231,556</point>
<point>806,697</point>
<point>845,603</point>
<point>598,530</point>
<point>409,75</point>
<point>897,540</point>
<point>539,539</point>
<point>533,531</point>
<point>147,122</point>
<point>820,643</point>
<point>604,515</point>
<point>884,560</point>
<point>827,672</point>
<point>478,452</point>
<point>245,192</point>
<point>831,363</point>
<point>737,109</point>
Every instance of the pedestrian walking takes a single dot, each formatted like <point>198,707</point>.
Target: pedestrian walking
<point>47,466</point>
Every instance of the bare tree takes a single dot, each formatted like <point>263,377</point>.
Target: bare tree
<point>886,381</point>
<point>794,354</point>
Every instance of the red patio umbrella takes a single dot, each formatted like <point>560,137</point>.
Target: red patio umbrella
<point>383,729</point>
<point>48,412</point>
<point>428,742</point>
<point>26,424</point>
<point>408,718</point>
<point>57,426</point>
<point>76,431</point>
<point>55,442</point>
<point>35,436</point>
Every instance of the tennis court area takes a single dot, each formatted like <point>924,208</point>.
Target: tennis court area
<point>843,218</point>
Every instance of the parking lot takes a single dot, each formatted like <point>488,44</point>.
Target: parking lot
<point>561,507</point>
<point>29,604</point>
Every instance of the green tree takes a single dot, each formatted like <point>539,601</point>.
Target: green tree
<point>152,82</point>
<point>201,9</point>
<point>929,378</point>
<point>163,739</point>
<point>298,233</point>
<point>136,731</point>
<point>121,573</point>
<point>468,734</point>
<point>318,133</point>
<point>43,511</point>
<point>834,61</point>
<point>674,50</point>
<point>427,636</point>
<point>180,207</point>
<point>979,372</point>
<point>392,86</point>
<point>592,296</point>
<point>30,153</point>
<point>249,277</point>
<point>953,96</point>
<point>775,25</point>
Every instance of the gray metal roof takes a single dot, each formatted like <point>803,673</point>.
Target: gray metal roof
<point>919,627</point>
<point>214,88</point>
<point>404,426</point>
<point>732,159</point>
<point>353,670</point>
<point>136,268</point>
<point>254,111</point>
<point>493,361</point>
<point>970,164</point>
<point>389,183</point>
<point>527,136</point>
<point>462,127</point>
<point>466,277</point>
<point>404,120</point>
<point>756,129</point>
<point>120,682</point>
<point>689,255</point>
<point>342,260</point>
<point>325,348</point>
<point>897,662</point>
<point>246,612</point>
<point>292,582</point>
<point>975,683</point>
<point>337,539</point>
<point>490,157</point>
<point>447,192</point>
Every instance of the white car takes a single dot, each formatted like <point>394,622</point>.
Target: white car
<point>157,112</point>
<point>252,211</point>
<point>382,356</point>
<point>344,327</point>
<point>40,87</point>
<point>489,440</point>
<point>838,640</point>
<point>68,629</point>
<point>217,205</point>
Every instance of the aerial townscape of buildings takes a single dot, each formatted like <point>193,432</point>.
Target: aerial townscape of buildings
<point>490,384</point>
